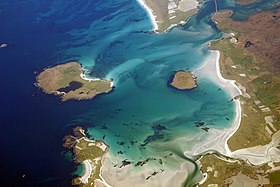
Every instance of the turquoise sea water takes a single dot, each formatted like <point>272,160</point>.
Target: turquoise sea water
<point>111,39</point>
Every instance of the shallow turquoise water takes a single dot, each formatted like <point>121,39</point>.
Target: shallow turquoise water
<point>111,39</point>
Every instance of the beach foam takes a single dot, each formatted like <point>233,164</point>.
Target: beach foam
<point>150,13</point>
<point>218,137</point>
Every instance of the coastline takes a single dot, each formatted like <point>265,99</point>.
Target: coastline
<point>54,80</point>
<point>129,176</point>
<point>83,76</point>
<point>88,170</point>
<point>218,137</point>
<point>176,13</point>
<point>150,13</point>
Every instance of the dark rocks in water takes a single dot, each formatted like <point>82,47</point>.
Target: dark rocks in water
<point>120,143</point>
<point>160,161</point>
<point>159,127</point>
<point>125,163</point>
<point>230,101</point>
<point>153,138</point>
<point>156,136</point>
<point>154,173</point>
<point>103,137</point>
<point>199,123</point>
<point>104,127</point>
<point>133,142</point>
<point>248,44</point>
<point>170,154</point>
<point>227,119</point>
<point>79,132</point>
<point>141,163</point>
<point>120,152</point>
<point>206,129</point>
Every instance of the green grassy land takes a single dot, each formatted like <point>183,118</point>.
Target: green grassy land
<point>261,83</point>
<point>55,78</point>
<point>83,152</point>
<point>225,169</point>
<point>274,177</point>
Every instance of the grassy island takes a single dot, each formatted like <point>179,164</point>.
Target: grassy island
<point>249,55</point>
<point>183,80</point>
<point>89,153</point>
<point>65,80</point>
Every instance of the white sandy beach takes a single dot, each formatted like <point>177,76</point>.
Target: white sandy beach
<point>88,170</point>
<point>150,13</point>
<point>218,139</point>
<point>129,176</point>
<point>83,76</point>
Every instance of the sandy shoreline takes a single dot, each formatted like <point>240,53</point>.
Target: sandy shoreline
<point>130,176</point>
<point>150,13</point>
<point>165,18</point>
<point>218,137</point>
<point>83,76</point>
<point>217,141</point>
<point>88,170</point>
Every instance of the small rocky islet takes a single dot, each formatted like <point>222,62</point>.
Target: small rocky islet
<point>183,80</point>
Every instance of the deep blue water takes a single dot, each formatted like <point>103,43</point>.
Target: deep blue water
<point>110,39</point>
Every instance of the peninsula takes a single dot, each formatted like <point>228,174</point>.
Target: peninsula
<point>89,153</point>
<point>165,14</point>
<point>67,80</point>
<point>183,80</point>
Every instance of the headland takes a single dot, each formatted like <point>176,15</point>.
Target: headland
<point>165,14</point>
<point>90,154</point>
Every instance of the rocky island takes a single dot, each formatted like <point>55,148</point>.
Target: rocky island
<point>183,80</point>
<point>66,80</point>
<point>89,153</point>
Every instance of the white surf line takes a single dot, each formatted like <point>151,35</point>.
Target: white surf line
<point>149,11</point>
<point>218,138</point>
<point>83,76</point>
<point>88,170</point>
<point>255,155</point>
<point>216,6</point>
